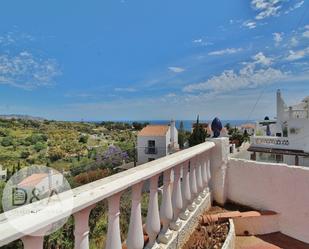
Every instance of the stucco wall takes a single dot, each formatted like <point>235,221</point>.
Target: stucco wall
<point>142,143</point>
<point>276,187</point>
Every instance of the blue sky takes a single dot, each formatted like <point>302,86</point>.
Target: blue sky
<point>120,60</point>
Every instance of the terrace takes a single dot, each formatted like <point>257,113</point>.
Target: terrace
<point>192,179</point>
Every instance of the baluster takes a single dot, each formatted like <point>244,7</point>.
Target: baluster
<point>166,210</point>
<point>199,179</point>
<point>176,199</point>
<point>135,234</point>
<point>153,217</point>
<point>81,230</point>
<point>33,242</point>
<point>113,231</point>
<point>193,186</point>
<point>186,193</point>
<point>208,173</point>
<point>204,174</point>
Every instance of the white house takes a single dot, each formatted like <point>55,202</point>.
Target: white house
<point>155,141</point>
<point>249,128</point>
<point>285,139</point>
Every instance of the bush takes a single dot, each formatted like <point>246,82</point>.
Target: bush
<point>83,139</point>
<point>39,146</point>
<point>35,138</point>
<point>24,154</point>
<point>55,154</point>
<point>7,141</point>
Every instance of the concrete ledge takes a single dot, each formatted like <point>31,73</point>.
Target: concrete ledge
<point>257,225</point>
<point>231,237</point>
<point>180,237</point>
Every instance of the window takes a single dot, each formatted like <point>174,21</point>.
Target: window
<point>151,143</point>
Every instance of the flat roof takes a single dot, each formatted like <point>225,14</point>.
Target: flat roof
<point>278,151</point>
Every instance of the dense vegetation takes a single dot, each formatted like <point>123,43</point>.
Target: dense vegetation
<point>85,152</point>
<point>60,145</point>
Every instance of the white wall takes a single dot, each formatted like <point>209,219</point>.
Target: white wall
<point>276,187</point>
<point>142,143</point>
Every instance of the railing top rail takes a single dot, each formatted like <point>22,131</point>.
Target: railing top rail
<point>91,193</point>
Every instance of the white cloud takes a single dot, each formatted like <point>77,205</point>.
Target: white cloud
<point>249,24</point>
<point>225,51</point>
<point>294,7</point>
<point>26,71</point>
<point>266,8</point>
<point>176,69</point>
<point>297,55</point>
<point>202,42</point>
<point>125,89</point>
<point>294,42</point>
<point>253,74</point>
<point>306,34</point>
<point>277,38</point>
<point>171,95</point>
<point>197,40</point>
<point>260,58</point>
<point>247,77</point>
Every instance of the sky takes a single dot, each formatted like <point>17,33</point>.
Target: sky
<point>153,59</point>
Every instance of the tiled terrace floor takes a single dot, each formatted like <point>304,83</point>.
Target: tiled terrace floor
<point>269,241</point>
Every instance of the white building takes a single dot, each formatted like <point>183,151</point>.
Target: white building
<point>249,128</point>
<point>285,139</point>
<point>155,141</point>
<point>3,173</point>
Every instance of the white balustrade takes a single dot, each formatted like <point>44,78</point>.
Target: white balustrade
<point>204,159</point>
<point>176,199</point>
<point>199,180</point>
<point>166,209</point>
<point>81,230</point>
<point>177,202</point>
<point>208,172</point>
<point>185,191</point>
<point>113,231</point>
<point>193,185</point>
<point>153,216</point>
<point>135,235</point>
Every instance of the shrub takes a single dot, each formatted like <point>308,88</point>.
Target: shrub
<point>7,141</point>
<point>39,146</point>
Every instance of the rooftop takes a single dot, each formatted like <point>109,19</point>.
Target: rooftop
<point>154,130</point>
<point>33,180</point>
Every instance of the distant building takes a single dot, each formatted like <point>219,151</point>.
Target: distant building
<point>249,128</point>
<point>286,138</point>
<point>3,174</point>
<point>156,141</point>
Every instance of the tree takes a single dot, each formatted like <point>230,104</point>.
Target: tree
<point>198,135</point>
<point>7,141</point>
<point>24,154</point>
<point>55,153</point>
<point>138,126</point>
<point>112,157</point>
<point>228,127</point>
<point>181,135</point>
<point>83,139</point>
<point>39,146</point>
